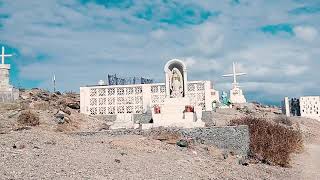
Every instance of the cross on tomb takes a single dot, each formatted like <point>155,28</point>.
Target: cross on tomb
<point>4,55</point>
<point>234,75</point>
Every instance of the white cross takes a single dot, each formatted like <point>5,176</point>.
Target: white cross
<point>234,74</point>
<point>4,55</point>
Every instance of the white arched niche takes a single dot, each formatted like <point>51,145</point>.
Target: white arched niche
<point>175,65</point>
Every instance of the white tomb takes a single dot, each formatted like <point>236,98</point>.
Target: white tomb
<point>177,92</point>
<point>310,107</point>
<point>7,92</point>
<point>236,94</point>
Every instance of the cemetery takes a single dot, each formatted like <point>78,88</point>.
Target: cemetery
<point>160,90</point>
<point>136,125</point>
<point>175,103</point>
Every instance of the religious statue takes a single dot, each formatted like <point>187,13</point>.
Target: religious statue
<point>225,100</point>
<point>176,86</point>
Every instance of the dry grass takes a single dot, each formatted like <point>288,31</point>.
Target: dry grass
<point>271,142</point>
<point>28,118</point>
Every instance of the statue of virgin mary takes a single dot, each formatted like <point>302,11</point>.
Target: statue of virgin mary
<point>176,83</point>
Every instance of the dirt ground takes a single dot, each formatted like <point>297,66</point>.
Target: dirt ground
<point>44,154</point>
<point>309,160</point>
<point>54,151</point>
<point>34,154</point>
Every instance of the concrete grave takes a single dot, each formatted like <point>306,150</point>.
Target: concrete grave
<point>173,98</point>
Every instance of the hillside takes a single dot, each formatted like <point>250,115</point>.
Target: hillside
<point>54,150</point>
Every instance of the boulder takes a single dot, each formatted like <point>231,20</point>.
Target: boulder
<point>60,117</point>
<point>73,105</point>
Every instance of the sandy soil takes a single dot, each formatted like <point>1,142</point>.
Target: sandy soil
<point>309,160</point>
<point>35,154</point>
<point>49,151</point>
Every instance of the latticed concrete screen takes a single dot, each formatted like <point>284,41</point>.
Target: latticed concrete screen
<point>107,100</point>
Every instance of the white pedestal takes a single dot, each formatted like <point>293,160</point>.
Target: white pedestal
<point>236,96</point>
<point>4,77</point>
<point>172,115</point>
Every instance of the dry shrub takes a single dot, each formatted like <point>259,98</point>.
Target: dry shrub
<point>28,118</point>
<point>271,142</point>
<point>283,120</point>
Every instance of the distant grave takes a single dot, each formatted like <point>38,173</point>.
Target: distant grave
<point>236,94</point>
<point>305,106</point>
<point>7,92</point>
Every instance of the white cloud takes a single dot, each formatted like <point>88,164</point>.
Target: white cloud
<point>84,43</point>
<point>294,70</point>
<point>306,33</point>
<point>158,34</point>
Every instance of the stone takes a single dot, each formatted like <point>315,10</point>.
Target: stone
<point>182,143</point>
<point>244,161</point>
<point>67,111</point>
<point>73,105</point>
<point>66,119</point>
<point>60,117</point>
<point>225,154</point>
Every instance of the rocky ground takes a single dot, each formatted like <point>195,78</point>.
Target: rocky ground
<point>52,150</point>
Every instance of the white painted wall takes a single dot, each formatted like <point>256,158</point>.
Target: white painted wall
<point>310,107</point>
<point>4,77</point>
<point>96,100</point>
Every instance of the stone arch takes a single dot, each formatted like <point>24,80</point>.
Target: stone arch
<point>181,66</point>
<point>177,63</point>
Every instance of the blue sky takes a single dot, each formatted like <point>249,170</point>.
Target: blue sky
<point>81,41</point>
